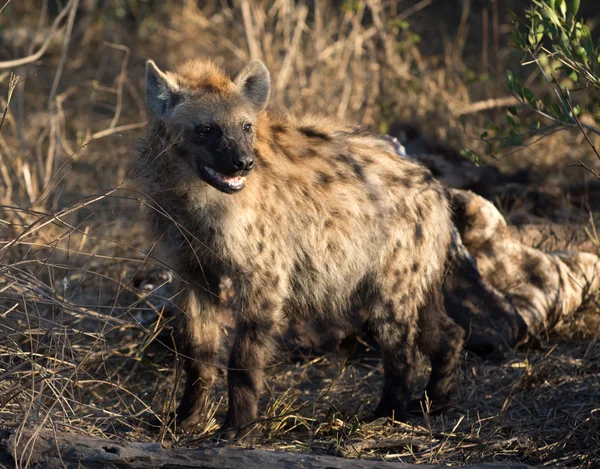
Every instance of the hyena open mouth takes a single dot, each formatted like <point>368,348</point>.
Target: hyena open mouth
<point>227,184</point>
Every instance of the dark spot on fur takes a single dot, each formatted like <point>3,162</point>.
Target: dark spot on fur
<point>328,223</point>
<point>368,160</point>
<point>427,177</point>
<point>534,271</point>
<point>418,233</point>
<point>324,179</point>
<point>356,167</point>
<point>537,281</point>
<point>361,131</point>
<point>311,132</point>
<point>358,171</point>
<point>278,128</point>
<point>310,153</point>
<point>249,229</point>
<point>331,246</point>
<point>394,179</point>
<point>261,230</point>
<point>415,267</point>
<point>413,173</point>
<point>266,305</point>
<point>261,246</point>
<point>373,197</point>
<point>341,175</point>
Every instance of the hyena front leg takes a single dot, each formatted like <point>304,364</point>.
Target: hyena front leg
<point>393,322</point>
<point>198,333</point>
<point>253,347</point>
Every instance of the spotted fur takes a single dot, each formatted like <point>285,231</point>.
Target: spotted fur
<point>543,287</point>
<point>326,213</point>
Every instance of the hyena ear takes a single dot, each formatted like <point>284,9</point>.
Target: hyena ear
<point>254,83</point>
<point>161,91</point>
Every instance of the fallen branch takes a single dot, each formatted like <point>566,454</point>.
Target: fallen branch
<point>54,449</point>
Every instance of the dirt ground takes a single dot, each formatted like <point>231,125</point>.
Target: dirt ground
<point>86,339</point>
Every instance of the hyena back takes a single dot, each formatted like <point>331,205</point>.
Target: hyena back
<point>302,215</point>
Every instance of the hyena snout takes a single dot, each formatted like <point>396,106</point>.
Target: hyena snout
<point>242,161</point>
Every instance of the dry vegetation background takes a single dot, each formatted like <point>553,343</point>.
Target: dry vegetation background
<point>85,338</point>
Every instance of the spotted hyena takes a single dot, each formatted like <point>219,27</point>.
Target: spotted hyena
<point>303,215</point>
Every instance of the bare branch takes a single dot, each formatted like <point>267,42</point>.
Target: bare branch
<point>33,57</point>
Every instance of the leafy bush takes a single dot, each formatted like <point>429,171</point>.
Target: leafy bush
<point>557,42</point>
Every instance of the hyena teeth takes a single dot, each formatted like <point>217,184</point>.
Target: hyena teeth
<point>234,181</point>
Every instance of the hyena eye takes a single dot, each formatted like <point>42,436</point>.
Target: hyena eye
<point>204,129</point>
<point>247,127</point>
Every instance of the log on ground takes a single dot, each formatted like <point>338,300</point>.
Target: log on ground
<point>50,449</point>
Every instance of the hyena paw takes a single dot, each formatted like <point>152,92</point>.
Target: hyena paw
<point>189,423</point>
<point>425,405</point>
<point>227,434</point>
<point>391,408</point>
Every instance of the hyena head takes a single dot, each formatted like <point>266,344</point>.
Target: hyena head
<point>209,118</point>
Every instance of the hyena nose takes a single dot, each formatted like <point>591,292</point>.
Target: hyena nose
<point>243,162</point>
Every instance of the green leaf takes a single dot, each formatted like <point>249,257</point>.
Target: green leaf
<point>512,110</point>
<point>529,96</point>
<point>549,14</point>
<point>511,79</point>
<point>555,110</point>
<point>519,89</point>
<point>463,121</point>
<point>484,135</point>
<point>470,155</point>
<point>493,127</point>
<point>510,121</point>
<point>514,139</point>
<point>563,7</point>
<point>574,8</point>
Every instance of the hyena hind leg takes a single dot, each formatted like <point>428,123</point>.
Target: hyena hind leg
<point>441,339</point>
<point>393,323</point>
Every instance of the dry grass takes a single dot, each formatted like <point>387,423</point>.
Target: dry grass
<point>85,337</point>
